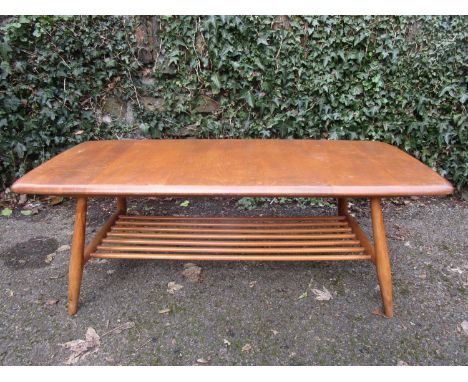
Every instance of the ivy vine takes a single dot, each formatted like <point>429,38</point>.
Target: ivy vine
<point>402,80</point>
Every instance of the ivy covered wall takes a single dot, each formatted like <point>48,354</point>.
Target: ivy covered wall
<point>402,80</point>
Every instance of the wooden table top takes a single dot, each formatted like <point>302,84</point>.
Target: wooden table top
<point>233,168</point>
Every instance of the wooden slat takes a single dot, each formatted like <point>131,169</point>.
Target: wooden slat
<point>232,237</point>
<point>313,243</point>
<point>369,248</point>
<point>91,247</point>
<point>228,250</point>
<point>129,223</point>
<point>228,218</point>
<point>199,257</point>
<point>227,230</point>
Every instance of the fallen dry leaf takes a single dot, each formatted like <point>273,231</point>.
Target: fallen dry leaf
<point>464,326</point>
<point>50,257</point>
<point>275,332</point>
<point>246,348</point>
<point>110,271</point>
<point>402,363</point>
<point>227,342</point>
<point>322,295</point>
<point>252,284</point>
<point>52,301</point>
<point>202,361</point>
<point>164,311</point>
<point>192,272</point>
<point>62,248</point>
<point>81,348</point>
<point>172,287</point>
<point>55,200</point>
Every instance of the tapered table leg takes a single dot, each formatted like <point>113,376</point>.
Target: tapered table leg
<point>75,270</point>
<point>382,261</point>
<point>122,205</point>
<point>342,206</point>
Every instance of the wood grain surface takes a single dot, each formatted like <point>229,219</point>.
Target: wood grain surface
<point>233,168</point>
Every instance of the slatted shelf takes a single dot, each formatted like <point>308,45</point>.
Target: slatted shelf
<point>228,238</point>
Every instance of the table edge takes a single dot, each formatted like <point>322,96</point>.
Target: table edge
<point>233,191</point>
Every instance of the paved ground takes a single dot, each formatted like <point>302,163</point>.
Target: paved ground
<point>240,313</point>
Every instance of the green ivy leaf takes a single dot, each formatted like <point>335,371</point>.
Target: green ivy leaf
<point>6,212</point>
<point>215,83</point>
<point>249,98</point>
<point>185,203</point>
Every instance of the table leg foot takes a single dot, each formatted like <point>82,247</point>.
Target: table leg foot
<point>75,271</point>
<point>382,261</point>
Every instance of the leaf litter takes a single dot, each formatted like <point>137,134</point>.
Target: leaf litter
<point>320,295</point>
<point>173,287</point>
<point>192,272</point>
<point>82,348</point>
<point>464,326</point>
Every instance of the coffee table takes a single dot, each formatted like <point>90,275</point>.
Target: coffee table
<point>232,168</point>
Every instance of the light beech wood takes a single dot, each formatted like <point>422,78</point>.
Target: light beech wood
<point>75,271</point>
<point>232,218</point>
<point>342,206</point>
<point>100,235</point>
<point>369,248</point>
<point>148,248</point>
<point>129,223</point>
<point>228,230</point>
<point>233,167</point>
<point>237,168</point>
<point>216,257</point>
<point>382,261</point>
<point>234,243</point>
<point>121,205</point>
<point>232,237</point>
